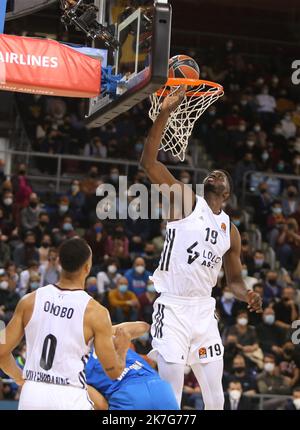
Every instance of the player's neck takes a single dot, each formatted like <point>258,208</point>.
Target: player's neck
<point>70,283</point>
<point>214,202</point>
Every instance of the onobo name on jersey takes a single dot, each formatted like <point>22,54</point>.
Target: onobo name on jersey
<point>192,256</point>
<point>56,348</point>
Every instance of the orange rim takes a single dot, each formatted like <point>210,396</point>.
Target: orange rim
<point>176,82</point>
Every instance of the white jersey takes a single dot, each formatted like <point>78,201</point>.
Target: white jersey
<point>56,348</point>
<point>192,256</point>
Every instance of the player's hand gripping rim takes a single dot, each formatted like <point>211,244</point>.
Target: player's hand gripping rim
<point>254,302</point>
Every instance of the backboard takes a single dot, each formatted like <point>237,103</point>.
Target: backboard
<point>143,29</point>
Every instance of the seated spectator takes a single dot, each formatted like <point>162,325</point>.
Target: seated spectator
<point>147,300</point>
<point>108,278</point>
<point>191,395</point>
<point>30,213</point>
<point>50,271</point>
<point>9,298</point>
<point>138,277</point>
<point>257,265</point>
<point>288,244</point>
<point>46,243</point>
<point>250,281</point>
<point>117,246</point>
<point>96,237</point>
<point>13,276</point>
<point>272,288</point>
<point>34,282</point>
<point>150,256</point>
<point>235,399</point>
<point>268,381</point>
<point>76,200</point>
<point>240,373</point>
<point>227,307</point>
<point>42,228</point>
<point>25,275</point>
<point>289,366</point>
<point>95,148</point>
<point>294,403</point>
<point>26,251</point>
<point>123,303</point>
<point>270,337</point>
<point>291,202</point>
<point>247,338</point>
<point>4,250</point>
<point>286,310</point>
<point>92,289</point>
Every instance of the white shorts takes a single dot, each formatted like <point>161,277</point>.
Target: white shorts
<point>185,330</point>
<point>40,396</point>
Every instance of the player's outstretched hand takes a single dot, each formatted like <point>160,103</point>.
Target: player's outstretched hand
<point>172,101</point>
<point>122,340</point>
<point>254,302</point>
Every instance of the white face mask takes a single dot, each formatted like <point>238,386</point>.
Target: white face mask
<point>3,285</point>
<point>244,273</point>
<point>140,269</point>
<point>185,180</point>
<point>112,269</point>
<point>242,321</point>
<point>228,295</point>
<point>297,403</point>
<point>269,319</point>
<point>220,274</point>
<point>269,367</point>
<point>235,394</point>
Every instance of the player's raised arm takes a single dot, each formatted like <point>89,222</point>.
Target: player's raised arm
<point>233,271</point>
<point>133,329</point>
<point>13,336</point>
<point>110,353</point>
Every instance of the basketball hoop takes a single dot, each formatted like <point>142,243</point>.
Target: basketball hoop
<point>199,96</point>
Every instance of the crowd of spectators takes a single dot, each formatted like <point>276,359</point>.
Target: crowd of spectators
<point>255,127</point>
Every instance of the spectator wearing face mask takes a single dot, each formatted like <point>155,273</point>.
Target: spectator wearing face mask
<point>266,105</point>
<point>288,244</point>
<point>290,203</point>
<point>50,271</point>
<point>227,307</point>
<point>34,282</point>
<point>108,278</point>
<point>294,403</point>
<point>286,309</point>
<point>270,337</point>
<point>30,214</point>
<point>262,206</point>
<point>236,218</point>
<point>42,228</point>
<point>275,223</point>
<point>239,372</point>
<point>272,287</point>
<point>268,381</point>
<point>288,127</point>
<point>26,251</point>
<point>146,302</point>
<point>138,277</point>
<point>247,338</point>
<point>257,265</point>
<point>117,246</point>
<point>289,365</point>
<point>235,399</point>
<point>9,298</point>
<point>123,303</point>
<point>76,200</point>
<point>250,281</point>
<point>91,287</point>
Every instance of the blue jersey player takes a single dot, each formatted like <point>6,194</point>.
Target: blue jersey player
<point>138,388</point>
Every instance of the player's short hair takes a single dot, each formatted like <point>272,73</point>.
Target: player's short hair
<point>73,253</point>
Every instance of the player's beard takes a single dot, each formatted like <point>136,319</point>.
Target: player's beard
<point>213,188</point>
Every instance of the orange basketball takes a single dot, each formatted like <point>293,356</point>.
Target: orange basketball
<point>183,66</point>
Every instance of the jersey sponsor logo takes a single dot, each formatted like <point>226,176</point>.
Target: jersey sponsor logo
<point>223,227</point>
<point>32,375</point>
<point>210,259</point>
<point>58,311</point>
<point>202,353</point>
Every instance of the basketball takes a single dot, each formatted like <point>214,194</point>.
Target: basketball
<point>183,66</point>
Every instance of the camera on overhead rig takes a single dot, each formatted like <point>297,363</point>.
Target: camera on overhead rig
<point>83,16</point>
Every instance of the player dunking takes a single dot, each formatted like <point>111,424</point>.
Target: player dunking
<point>184,329</point>
<point>60,322</point>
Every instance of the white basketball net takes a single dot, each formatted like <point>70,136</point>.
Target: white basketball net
<point>181,122</point>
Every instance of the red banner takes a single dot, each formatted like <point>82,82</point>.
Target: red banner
<point>43,66</point>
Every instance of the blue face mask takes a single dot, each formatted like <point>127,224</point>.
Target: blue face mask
<point>98,229</point>
<point>123,288</point>
<point>236,222</point>
<point>67,226</point>
<point>151,288</point>
<point>144,337</point>
<point>34,285</point>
